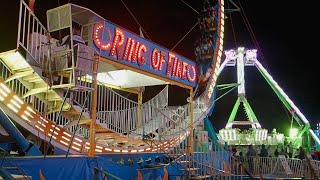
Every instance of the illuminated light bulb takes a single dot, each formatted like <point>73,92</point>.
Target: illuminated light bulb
<point>155,58</point>
<point>184,70</point>
<point>15,103</point>
<point>136,52</point>
<point>221,42</point>
<point>179,66</point>
<point>141,59</point>
<point>118,41</point>
<point>65,138</point>
<point>12,108</point>
<point>127,49</point>
<point>97,40</point>
<point>5,88</point>
<point>251,54</point>
<point>174,69</point>
<point>78,139</point>
<point>132,47</point>
<point>230,55</point>
<point>162,54</point>
<point>77,144</point>
<point>18,99</point>
<point>222,28</point>
<point>169,64</point>
<point>190,78</point>
<point>99,147</point>
<point>3,93</point>
<point>75,148</point>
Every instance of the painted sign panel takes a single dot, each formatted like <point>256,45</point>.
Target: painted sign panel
<point>125,47</point>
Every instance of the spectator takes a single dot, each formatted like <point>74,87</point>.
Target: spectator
<point>301,154</point>
<point>290,149</point>
<point>250,154</point>
<point>241,158</point>
<point>66,41</point>
<point>263,151</point>
<point>296,154</point>
<point>317,155</point>
<point>276,152</point>
<point>282,152</point>
<point>233,151</point>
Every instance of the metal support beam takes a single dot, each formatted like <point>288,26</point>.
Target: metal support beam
<point>139,111</point>
<point>93,110</point>
<point>19,75</point>
<point>234,111</point>
<point>191,122</point>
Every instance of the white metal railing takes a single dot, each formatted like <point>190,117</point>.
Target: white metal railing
<point>151,107</point>
<point>36,103</point>
<point>171,122</point>
<point>209,159</point>
<point>120,114</point>
<point>120,121</point>
<point>116,112</point>
<point>32,37</point>
<point>272,167</point>
<point>80,131</point>
<point>31,34</point>
<point>161,122</point>
<point>76,62</point>
<point>316,166</point>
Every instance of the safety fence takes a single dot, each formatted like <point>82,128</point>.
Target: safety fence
<point>276,167</point>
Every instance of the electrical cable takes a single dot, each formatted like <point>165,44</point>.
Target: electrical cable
<point>135,19</point>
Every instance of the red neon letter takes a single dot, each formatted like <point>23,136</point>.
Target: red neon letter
<point>193,69</point>
<point>170,63</point>
<point>155,58</point>
<point>117,41</point>
<point>137,46</point>
<point>126,51</point>
<point>163,54</point>
<point>141,59</point>
<point>98,41</point>
<point>179,66</point>
<point>133,45</point>
<point>184,70</point>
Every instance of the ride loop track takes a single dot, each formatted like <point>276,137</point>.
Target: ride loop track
<point>70,97</point>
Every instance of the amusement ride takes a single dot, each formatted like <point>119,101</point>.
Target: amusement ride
<point>81,100</point>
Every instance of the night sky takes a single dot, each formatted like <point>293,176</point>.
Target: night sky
<point>284,33</point>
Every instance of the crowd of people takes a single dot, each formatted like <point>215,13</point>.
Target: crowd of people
<point>207,23</point>
<point>204,46</point>
<point>287,150</point>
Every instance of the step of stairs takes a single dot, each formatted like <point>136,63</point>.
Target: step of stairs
<point>190,169</point>
<point>201,177</point>
<point>18,177</point>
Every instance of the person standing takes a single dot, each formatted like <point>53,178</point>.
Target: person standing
<point>276,152</point>
<point>263,151</point>
<point>290,149</point>
<point>66,42</point>
<point>251,153</point>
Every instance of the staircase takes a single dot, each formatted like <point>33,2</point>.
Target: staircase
<point>9,169</point>
<point>172,140</point>
<point>165,129</point>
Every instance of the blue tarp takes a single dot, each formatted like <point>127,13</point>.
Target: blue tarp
<point>71,168</point>
<point>82,168</point>
<point>152,173</point>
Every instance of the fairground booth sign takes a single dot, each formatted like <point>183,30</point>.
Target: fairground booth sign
<point>125,47</point>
